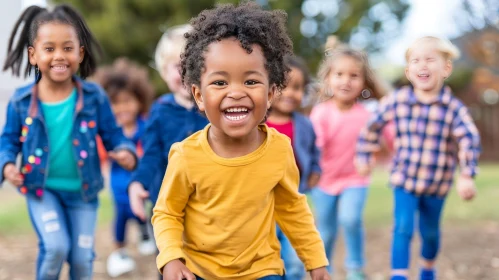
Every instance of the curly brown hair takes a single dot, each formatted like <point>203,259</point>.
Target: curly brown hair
<point>125,75</point>
<point>250,25</point>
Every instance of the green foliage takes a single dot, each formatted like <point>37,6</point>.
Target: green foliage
<point>132,28</point>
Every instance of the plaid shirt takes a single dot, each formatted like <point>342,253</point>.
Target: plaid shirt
<point>427,140</point>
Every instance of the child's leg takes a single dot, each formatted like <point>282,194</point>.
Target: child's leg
<point>325,213</point>
<point>292,263</point>
<point>405,206</point>
<point>82,219</point>
<point>430,210</point>
<point>120,225</point>
<point>48,218</point>
<point>350,213</point>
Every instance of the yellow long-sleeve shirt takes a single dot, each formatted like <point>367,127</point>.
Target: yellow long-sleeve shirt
<point>219,214</point>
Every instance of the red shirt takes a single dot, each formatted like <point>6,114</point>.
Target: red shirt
<point>285,128</point>
<point>288,130</point>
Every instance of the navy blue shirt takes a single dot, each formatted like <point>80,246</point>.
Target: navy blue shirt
<point>168,123</point>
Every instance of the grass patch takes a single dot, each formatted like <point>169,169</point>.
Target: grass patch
<point>14,217</point>
<point>483,208</point>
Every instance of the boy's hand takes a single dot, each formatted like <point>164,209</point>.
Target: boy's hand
<point>466,187</point>
<point>320,274</point>
<point>124,158</point>
<point>176,270</point>
<point>12,174</point>
<point>313,180</point>
<point>364,169</point>
<point>137,194</point>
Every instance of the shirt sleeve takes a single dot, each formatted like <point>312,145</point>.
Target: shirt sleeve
<point>10,144</point>
<point>468,139</point>
<point>295,218</point>
<point>152,161</point>
<point>320,127</point>
<point>169,211</point>
<point>369,137</point>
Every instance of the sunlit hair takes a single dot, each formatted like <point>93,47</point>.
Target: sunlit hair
<point>443,46</point>
<point>170,46</point>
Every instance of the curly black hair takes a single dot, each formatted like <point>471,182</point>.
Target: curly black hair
<point>249,24</point>
<point>125,75</point>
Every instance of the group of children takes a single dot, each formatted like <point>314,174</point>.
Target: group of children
<point>238,154</point>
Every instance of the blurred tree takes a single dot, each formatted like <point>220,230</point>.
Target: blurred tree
<point>132,28</point>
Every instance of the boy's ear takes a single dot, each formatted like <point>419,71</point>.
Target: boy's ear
<point>448,68</point>
<point>198,97</point>
<point>407,73</point>
<point>31,56</point>
<point>271,95</point>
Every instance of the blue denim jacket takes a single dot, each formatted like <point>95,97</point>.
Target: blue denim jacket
<point>306,152</point>
<point>25,132</point>
<point>168,123</point>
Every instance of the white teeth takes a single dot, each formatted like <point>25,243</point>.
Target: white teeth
<point>236,109</point>
<point>236,118</point>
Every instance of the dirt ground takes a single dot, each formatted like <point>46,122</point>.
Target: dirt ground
<point>467,254</point>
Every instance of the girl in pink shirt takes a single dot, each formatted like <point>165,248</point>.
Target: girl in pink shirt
<point>341,193</point>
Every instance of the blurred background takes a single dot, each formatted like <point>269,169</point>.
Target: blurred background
<point>384,29</point>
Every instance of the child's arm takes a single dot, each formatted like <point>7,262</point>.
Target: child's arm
<point>152,161</point>
<point>112,136</point>
<point>468,138</point>
<point>168,214</point>
<point>369,137</point>
<point>318,122</point>
<point>10,146</point>
<point>295,218</point>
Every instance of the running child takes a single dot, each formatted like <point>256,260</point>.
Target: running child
<point>53,123</point>
<point>227,185</point>
<point>340,196</point>
<point>434,134</point>
<point>130,92</point>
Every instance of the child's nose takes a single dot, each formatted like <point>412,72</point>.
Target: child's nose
<point>236,93</point>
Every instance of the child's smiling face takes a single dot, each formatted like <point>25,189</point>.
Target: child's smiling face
<point>234,89</point>
<point>427,68</point>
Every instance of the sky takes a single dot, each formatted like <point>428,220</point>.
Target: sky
<point>425,17</point>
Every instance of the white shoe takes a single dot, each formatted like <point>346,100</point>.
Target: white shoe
<point>147,247</point>
<point>119,262</point>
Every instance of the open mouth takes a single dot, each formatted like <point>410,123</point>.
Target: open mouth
<point>236,113</point>
<point>424,75</point>
<point>59,68</point>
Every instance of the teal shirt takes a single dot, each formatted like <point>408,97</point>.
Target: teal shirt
<point>62,166</point>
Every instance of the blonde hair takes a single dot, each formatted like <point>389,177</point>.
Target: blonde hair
<point>170,46</point>
<point>333,52</point>
<point>444,46</point>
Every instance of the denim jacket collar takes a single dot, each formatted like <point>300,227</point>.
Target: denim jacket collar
<point>31,91</point>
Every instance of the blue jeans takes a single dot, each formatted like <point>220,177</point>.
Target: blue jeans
<point>65,225</point>
<point>430,210</point>
<point>270,277</point>
<point>346,210</point>
<point>292,264</point>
